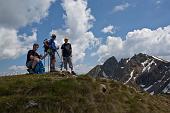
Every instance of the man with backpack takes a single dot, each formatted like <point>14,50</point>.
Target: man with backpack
<point>33,62</point>
<point>51,51</point>
<point>67,55</point>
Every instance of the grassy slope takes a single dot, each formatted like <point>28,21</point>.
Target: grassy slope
<point>53,94</point>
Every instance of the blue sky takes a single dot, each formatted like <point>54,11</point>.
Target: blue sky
<point>135,26</point>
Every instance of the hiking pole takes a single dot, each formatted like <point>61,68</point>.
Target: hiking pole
<point>44,58</point>
<point>48,63</point>
<point>58,55</point>
<point>61,65</point>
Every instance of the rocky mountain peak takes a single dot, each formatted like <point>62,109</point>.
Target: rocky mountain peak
<point>148,73</point>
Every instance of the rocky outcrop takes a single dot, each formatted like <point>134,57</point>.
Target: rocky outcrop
<point>142,71</point>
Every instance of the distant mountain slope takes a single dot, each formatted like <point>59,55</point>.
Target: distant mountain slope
<point>142,71</point>
<point>64,93</point>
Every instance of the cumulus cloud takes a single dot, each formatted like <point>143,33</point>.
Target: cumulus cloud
<point>82,68</point>
<point>14,15</point>
<point>78,22</point>
<point>11,45</point>
<point>152,42</point>
<point>17,68</point>
<point>121,7</point>
<point>109,29</point>
<point>19,13</point>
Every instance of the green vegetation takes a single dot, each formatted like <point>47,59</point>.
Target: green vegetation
<point>83,94</point>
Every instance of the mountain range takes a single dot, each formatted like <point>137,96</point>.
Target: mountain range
<point>142,71</point>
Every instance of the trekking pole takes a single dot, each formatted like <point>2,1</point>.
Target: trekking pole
<point>61,65</point>
<point>59,56</point>
<point>56,66</point>
<point>44,59</point>
<point>48,63</point>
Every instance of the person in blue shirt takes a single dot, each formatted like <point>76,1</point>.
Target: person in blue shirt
<point>52,49</point>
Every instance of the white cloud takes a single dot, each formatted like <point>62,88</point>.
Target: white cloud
<point>17,68</point>
<point>14,70</point>
<point>158,2</point>
<point>11,45</point>
<point>121,7</point>
<point>82,68</point>
<point>152,42</point>
<point>14,15</point>
<point>19,13</point>
<point>78,20</point>
<point>109,29</point>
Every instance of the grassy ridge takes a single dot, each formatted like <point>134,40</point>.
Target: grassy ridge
<point>54,94</point>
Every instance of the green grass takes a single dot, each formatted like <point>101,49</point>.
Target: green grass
<point>54,94</point>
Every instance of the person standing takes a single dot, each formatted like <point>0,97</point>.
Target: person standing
<point>52,49</point>
<point>67,55</point>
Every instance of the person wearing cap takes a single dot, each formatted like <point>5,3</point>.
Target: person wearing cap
<point>53,49</point>
<point>67,55</point>
<point>32,58</point>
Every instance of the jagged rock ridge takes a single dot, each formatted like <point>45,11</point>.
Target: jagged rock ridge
<point>148,73</point>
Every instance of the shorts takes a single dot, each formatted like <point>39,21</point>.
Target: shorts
<point>52,55</point>
<point>67,60</point>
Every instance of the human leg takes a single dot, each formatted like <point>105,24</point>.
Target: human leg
<point>69,59</point>
<point>35,61</point>
<point>65,63</point>
<point>29,66</point>
<point>52,61</point>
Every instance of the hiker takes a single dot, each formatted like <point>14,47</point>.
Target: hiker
<point>33,60</point>
<point>67,55</point>
<point>51,50</point>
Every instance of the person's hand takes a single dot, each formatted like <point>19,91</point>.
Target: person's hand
<point>31,57</point>
<point>62,60</point>
<point>41,56</point>
<point>49,51</point>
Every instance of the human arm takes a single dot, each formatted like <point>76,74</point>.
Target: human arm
<point>62,52</point>
<point>70,50</point>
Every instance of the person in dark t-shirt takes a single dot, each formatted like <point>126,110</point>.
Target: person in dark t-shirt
<point>32,57</point>
<point>67,55</point>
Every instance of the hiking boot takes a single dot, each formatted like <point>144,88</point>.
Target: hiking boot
<point>72,72</point>
<point>30,71</point>
<point>53,70</point>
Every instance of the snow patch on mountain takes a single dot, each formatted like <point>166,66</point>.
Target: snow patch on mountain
<point>142,85</point>
<point>146,89</point>
<point>167,89</point>
<point>131,75</point>
<point>127,60</point>
<point>144,63</point>
<point>158,58</point>
<point>148,67</point>
<point>104,74</point>
<point>152,93</point>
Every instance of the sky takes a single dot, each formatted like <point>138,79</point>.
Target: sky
<point>97,30</point>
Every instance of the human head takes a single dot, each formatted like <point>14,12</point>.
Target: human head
<point>35,46</point>
<point>66,39</point>
<point>53,36</point>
